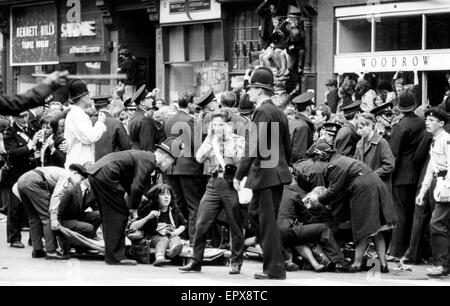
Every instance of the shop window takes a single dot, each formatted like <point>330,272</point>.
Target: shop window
<point>438,31</point>
<point>398,33</point>
<point>245,34</point>
<point>354,36</point>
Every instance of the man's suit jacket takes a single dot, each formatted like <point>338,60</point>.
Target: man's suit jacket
<point>406,137</point>
<point>267,170</point>
<point>301,130</point>
<point>30,99</point>
<point>346,140</point>
<point>20,157</point>
<point>73,204</point>
<point>182,124</point>
<point>114,139</point>
<point>128,170</point>
<point>144,134</point>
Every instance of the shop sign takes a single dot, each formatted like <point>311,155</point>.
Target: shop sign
<point>196,5</point>
<point>393,61</point>
<point>81,32</point>
<point>175,11</point>
<point>34,35</point>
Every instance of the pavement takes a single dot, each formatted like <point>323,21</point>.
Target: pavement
<point>17,268</point>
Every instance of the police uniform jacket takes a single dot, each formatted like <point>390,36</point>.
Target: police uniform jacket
<point>126,170</point>
<point>20,157</point>
<point>346,140</point>
<point>267,170</point>
<point>301,130</point>
<point>114,139</point>
<point>143,132</point>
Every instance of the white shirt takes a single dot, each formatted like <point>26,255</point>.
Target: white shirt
<point>439,158</point>
<point>81,136</point>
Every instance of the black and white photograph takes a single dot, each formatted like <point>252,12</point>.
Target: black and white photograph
<point>225,148</point>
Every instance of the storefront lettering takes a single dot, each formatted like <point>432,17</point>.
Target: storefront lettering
<point>383,62</point>
<point>84,49</point>
<point>85,28</point>
<point>29,31</point>
<point>74,13</point>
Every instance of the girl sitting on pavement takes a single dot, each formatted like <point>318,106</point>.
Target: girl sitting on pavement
<point>162,223</point>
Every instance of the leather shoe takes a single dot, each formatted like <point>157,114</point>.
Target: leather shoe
<point>56,256</point>
<point>38,254</point>
<point>290,266</point>
<point>262,275</point>
<point>384,269</point>
<point>17,244</point>
<point>192,266</point>
<point>126,262</point>
<point>235,269</point>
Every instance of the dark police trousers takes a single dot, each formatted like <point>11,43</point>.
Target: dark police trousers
<point>294,234</point>
<point>439,231</point>
<point>220,194</point>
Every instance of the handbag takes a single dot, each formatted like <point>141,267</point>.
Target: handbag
<point>132,233</point>
<point>442,191</point>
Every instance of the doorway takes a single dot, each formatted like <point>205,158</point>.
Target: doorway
<point>437,85</point>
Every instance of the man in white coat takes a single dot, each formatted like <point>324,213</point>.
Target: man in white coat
<point>79,132</point>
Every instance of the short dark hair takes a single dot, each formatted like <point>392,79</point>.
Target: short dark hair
<point>184,100</point>
<point>301,107</point>
<point>228,99</point>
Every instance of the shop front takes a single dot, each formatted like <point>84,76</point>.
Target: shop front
<point>191,40</point>
<point>391,37</point>
<point>50,36</point>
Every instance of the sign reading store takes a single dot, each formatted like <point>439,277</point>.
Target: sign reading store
<point>34,35</point>
<point>81,32</point>
<point>393,61</point>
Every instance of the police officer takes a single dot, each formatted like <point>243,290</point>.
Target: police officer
<point>347,137</point>
<point>301,128</point>
<point>384,115</point>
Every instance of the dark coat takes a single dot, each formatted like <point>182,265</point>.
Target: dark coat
<point>72,206</point>
<point>151,225</point>
<point>127,170</point>
<point>301,130</point>
<point>275,172</point>
<point>370,204</point>
<point>266,24</point>
<point>346,140</point>
<point>58,158</point>
<point>20,157</point>
<point>114,139</point>
<point>406,137</point>
<point>378,156</point>
<point>333,100</point>
<point>143,132</point>
<point>30,99</point>
<point>183,124</point>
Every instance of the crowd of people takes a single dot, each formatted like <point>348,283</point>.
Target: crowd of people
<point>366,169</point>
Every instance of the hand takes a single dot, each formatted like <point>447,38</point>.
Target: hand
<point>37,137</point>
<point>50,142</point>
<point>154,214</point>
<point>237,184</point>
<point>54,224</point>
<point>63,146</point>
<point>56,78</point>
<point>419,199</point>
<point>176,232</point>
<point>101,117</point>
<point>314,201</point>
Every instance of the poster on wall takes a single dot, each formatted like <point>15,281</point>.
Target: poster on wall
<point>172,11</point>
<point>210,75</point>
<point>81,32</point>
<point>33,35</point>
